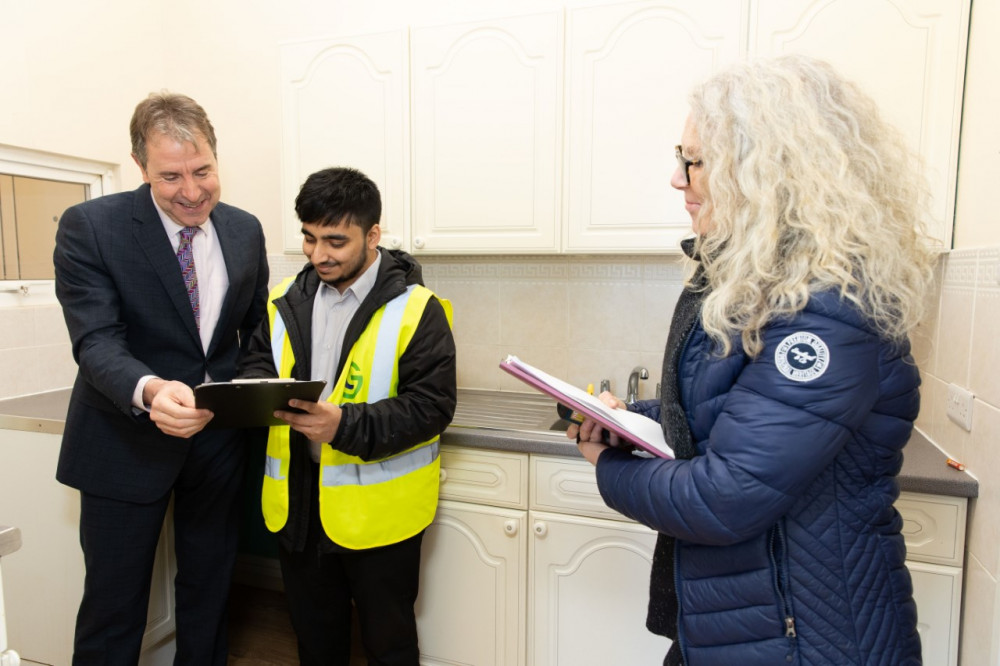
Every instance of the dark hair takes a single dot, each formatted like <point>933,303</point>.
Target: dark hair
<point>336,194</point>
<point>177,116</point>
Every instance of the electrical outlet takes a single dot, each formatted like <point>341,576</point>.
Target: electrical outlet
<point>960,406</point>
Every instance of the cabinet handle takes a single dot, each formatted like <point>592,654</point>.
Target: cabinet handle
<point>395,243</point>
<point>510,527</point>
<point>443,475</point>
<point>418,242</point>
<point>541,529</point>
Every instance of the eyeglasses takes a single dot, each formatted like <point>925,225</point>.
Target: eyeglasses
<point>686,164</point>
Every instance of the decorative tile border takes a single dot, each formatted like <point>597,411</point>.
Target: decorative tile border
<point>988,274</point>
<point>960,270</point>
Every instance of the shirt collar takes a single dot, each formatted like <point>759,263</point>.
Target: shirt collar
<point>172,228</point>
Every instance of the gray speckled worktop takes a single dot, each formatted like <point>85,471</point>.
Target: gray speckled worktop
<point>924,467</point>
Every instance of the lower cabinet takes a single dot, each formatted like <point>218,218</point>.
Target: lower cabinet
<point>934,530</point>
<point>546,581</point>
<point>587,592</point>
<point>525,565</point>
<point>471,608</point>
<point>43,581</point>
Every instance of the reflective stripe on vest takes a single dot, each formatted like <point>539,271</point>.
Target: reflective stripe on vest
<point>380,471</point>
<point>385,347</point>
<point>272,468</point>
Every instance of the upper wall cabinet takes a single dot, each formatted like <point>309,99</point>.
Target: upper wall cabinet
<point>629,70</point>
<point>909,55</point>
<point>486,104</point>
<point>344,103</point>
<point>555,132</point>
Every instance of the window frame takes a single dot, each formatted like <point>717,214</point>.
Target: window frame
<point>100,179</point>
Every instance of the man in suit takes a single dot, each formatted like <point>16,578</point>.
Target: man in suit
<point>161,288</point>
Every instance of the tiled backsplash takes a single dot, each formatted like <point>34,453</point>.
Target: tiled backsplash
<point>959,345</point>
<point>35,353</point>
<point>581,318</point>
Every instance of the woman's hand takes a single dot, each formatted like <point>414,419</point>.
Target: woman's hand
<point>589,435</point>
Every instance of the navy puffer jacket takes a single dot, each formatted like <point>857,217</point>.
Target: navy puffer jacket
<point>788,546</point>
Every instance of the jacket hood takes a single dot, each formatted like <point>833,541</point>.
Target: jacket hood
<point>404,261</point>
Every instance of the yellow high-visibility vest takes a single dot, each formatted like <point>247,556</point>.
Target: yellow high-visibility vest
<point>361,504</point>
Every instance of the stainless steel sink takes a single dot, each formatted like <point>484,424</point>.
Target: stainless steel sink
<point>507,410</point>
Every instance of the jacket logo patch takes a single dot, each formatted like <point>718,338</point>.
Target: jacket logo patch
<point>354,381</point>
<point>802,357</point>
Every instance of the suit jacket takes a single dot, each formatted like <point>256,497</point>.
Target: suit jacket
<point>128,315</point>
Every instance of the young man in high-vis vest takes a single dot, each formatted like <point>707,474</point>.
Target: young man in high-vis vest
<point>351,482</point>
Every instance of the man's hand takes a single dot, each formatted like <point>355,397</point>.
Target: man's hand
<point>171,408</point>
<point>319,423</point>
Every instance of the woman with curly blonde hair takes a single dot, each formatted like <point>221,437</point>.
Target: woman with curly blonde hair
<point>788,388</point>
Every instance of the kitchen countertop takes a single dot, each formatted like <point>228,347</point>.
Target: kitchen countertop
<point>924,467</point>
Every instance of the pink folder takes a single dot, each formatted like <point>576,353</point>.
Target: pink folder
<point>631,427</point>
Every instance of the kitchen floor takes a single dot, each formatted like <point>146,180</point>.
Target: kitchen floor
<point>260,631</point>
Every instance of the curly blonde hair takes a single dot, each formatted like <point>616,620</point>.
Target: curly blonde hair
<point>807,189</point>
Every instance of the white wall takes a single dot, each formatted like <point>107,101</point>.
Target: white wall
<point>73,71</point>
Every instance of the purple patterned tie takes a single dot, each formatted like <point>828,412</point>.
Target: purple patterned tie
<point>186,258</point>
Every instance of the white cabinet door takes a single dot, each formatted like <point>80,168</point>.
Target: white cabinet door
<point>471,608</point>
<point>43,581</point>
<point>588,589</point>
<point>909,55</point>
<point>629,70</point>
<point>937,590</point>
<point>344,104</point>
<point>486,135</point>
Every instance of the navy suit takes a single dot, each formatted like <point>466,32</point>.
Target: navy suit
<point>128,315</point>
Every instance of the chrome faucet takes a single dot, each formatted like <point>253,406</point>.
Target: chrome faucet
<point>632,393</point>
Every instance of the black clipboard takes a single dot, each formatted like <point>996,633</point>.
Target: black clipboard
<point>250,403</point>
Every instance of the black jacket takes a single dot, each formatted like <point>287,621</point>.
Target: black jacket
<point>426,396</point>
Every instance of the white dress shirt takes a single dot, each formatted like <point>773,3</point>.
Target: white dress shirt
<point>213,282</point>
<point>332,312</point>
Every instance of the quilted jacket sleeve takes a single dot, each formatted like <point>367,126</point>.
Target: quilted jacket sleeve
<point>763,438</point>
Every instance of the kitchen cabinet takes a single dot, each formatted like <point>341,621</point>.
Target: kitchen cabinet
<point>344,103</point>
<point>934,530</point>
<point>917,83</point>
<point>512,577</point>
<point>471,609</point>
<point>629,70</point>
<point>589,568</point>
<point>514,151</point>
<point>43,581</point>
<point>486,135</point>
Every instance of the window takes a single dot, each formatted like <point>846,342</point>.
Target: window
<point>35,189</point>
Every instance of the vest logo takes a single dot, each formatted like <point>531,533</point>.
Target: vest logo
<point>355,380</point>
<point>802,357</point>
